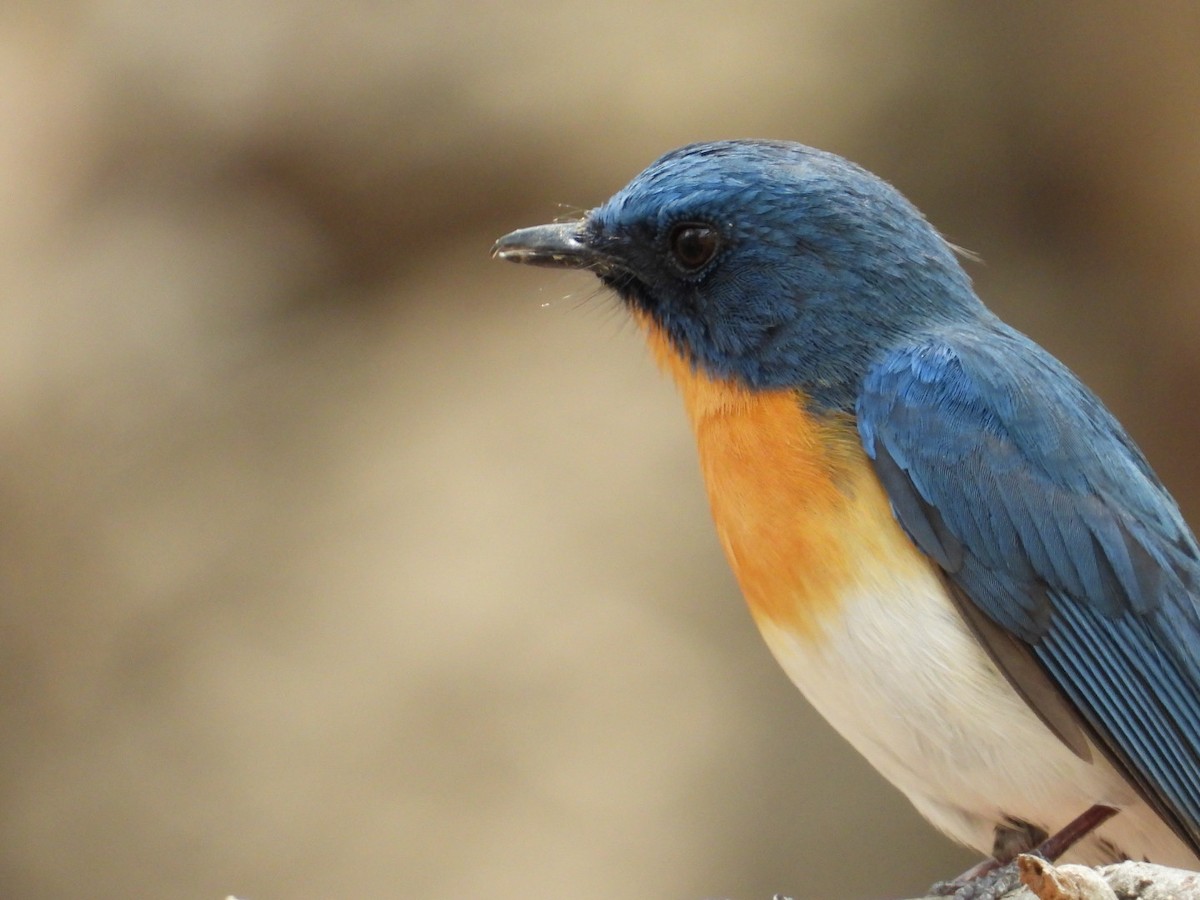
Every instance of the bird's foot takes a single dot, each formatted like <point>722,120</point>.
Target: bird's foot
<point>991,884</point>
<point>992,879</point>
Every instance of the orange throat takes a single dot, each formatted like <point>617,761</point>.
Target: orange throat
<point>788,491</point>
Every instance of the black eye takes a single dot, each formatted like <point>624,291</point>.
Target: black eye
<point>693,245</point>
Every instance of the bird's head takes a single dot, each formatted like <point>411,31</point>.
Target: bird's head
<point>767,263</point>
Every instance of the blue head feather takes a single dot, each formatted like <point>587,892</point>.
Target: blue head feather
<point>821,265</point>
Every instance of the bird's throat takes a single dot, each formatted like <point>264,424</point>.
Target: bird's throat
<point>797,507</point>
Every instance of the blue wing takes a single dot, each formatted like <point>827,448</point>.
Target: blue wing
<point>1046,518</point>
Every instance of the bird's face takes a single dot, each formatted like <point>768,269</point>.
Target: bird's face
<point>771,264</point>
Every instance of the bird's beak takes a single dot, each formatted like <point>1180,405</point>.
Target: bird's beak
<point>562,245</point>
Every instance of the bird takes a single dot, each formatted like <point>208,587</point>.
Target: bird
<point>948,542</point>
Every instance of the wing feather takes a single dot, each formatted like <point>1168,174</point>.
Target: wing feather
<point>1048,521</point>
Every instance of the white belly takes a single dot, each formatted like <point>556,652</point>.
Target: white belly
<point>901,677</point>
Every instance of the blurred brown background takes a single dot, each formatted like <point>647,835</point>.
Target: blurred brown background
<point>340,561</point>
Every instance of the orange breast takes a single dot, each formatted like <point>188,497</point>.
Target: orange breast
<point>797,507</point>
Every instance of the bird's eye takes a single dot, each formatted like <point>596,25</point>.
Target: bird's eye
<point>693,245</point>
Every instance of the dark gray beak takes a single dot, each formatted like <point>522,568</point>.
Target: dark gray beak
<point>561,246</point>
